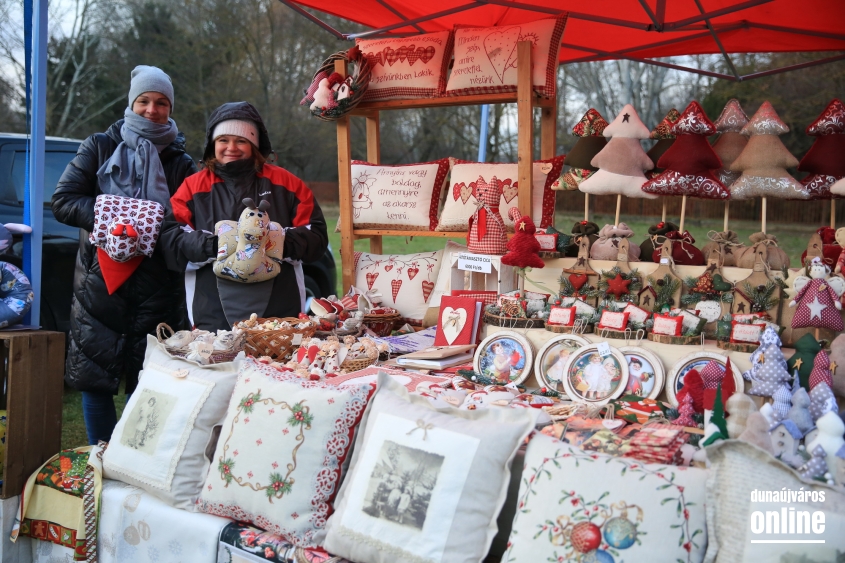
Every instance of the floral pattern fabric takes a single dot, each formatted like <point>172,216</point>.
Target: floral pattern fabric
<point>575,505</point>
<point>241,542</point>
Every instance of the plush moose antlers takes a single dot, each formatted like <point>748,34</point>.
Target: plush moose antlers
<point>250,204</point>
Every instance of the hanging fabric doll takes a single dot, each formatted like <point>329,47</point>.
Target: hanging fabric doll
<point>487,233</point>
<point>818,298</point>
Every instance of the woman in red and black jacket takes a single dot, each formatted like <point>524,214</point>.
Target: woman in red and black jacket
<point>237,145</point>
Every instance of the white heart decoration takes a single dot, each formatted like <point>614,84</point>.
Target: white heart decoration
<point>612,424</point>
<point>452,322</point>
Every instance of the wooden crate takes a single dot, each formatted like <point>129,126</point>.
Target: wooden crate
<point>31,372</point>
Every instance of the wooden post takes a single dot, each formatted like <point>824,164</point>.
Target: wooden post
<point>344,182</point>
<point>618,207</point>
<point>832,213</point>
<point>763,229</point>
<point>548,132</point>
<point>374,156</point>
<point>683,211</point>
<point>525,116</point>
<point>727,211</point>
<point>586,207</point>
<point>663,218</point>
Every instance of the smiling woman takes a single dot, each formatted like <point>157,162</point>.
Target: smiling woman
<point>153,106</point>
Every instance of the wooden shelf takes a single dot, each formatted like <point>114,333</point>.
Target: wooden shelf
<point>367,233</point>
<point>367,108</point>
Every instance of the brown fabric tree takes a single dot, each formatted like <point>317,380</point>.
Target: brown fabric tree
<point>730,143</point>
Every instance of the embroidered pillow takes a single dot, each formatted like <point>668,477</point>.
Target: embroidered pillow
<point>407,67</point>
<point>580,505</point>
<point>281,450</point>
<point>413,492</point>
<point>485,57</point>
<point>404,196</point>
<point>460,201</point>
<point>159,444</point>
<point>732,504</point>
<point>404,280</point>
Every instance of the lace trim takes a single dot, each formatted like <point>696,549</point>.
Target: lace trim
<point>398,552</point>
<point>178,450</point>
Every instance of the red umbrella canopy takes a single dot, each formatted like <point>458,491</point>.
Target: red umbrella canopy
<point>612,28</point>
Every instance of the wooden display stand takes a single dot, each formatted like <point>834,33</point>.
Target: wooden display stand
<point>32,374</point>
<point>526,101</point>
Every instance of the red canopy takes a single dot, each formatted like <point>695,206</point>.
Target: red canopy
<point>607,29</point>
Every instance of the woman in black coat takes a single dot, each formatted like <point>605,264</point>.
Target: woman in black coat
<point>141,156</point>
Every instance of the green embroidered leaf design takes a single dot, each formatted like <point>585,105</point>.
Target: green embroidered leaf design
<point>225,468</point>
<point>248,403</point>
<point>300,416</point>
<point>278,486</point>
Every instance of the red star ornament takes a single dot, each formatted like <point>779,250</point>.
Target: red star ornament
<point>618,286</point>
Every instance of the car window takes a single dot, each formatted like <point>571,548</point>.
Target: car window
<point>56,162</point>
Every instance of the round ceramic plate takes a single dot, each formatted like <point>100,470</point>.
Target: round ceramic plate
<point>505,356</point>
<point>696,360</point>
<point>646,375</point>
<point>550,365</point>
<point>593,379</point>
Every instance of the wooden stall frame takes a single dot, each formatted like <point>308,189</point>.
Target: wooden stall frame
<point>526,101</point>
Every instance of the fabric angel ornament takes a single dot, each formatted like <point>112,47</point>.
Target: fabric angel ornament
<point>487,234</point>
<point>622,161</point>
<point>818,298</point>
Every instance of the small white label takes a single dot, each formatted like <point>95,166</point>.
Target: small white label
<point>664,260</point>
<point>180,373</point>
<point>297,339</point>
<point>603,349</point>
<point>204,349</point>
<point>475,262</point>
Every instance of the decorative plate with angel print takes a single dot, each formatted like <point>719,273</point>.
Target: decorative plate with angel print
<point>505,356</point>
<point>697,361</point>
<point>646,374</point>
<point>594,378</point>
<point>550,365</point>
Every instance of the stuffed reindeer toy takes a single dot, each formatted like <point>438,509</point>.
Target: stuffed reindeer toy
<point>249,250</point>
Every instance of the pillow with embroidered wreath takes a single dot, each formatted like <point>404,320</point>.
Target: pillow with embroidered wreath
<point>160,442</point>
<point>460,200</point>
<point>407,67</point>
<point>405,196</point>
<point>281,451</point>
<point>443,512</point>
<point>486,57</point>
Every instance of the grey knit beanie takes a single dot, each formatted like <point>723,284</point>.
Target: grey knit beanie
<point>150,79</point>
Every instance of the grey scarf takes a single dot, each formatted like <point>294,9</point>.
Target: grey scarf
<point>135,170</point>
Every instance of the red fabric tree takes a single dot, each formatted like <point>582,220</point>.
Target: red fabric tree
<point>694,387</point>
<point>523,248</point>
<point>664,137</point>
<point>731,141</point>
<point>825,161</point>
<point>686,411</point>
<point>690,161</point>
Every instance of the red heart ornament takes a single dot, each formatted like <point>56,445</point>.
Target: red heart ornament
<point>577,280</point>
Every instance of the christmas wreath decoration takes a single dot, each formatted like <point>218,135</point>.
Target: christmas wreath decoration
<point>665,288</point>
<point>330,95</point>
<point>707,287</point>
<point>621,285</point>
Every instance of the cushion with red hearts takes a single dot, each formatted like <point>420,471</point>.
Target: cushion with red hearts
<point>407,67</point>
<point>460,201</point>
<point>145,216</point>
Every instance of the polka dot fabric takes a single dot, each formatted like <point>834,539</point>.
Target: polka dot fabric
<point>143,216</point>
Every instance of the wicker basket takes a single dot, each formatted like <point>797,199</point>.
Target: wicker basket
<point>217,356</point>
<point>360,82</point>
<point>382,325</point>
<point>357,364</point>
<point>513,322</point>
<point>340,334</point>
<point>277,344</point>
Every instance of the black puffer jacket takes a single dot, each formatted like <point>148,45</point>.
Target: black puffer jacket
<point>108,332</point>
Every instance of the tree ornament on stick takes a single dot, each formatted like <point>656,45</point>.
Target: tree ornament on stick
<point>664,136</point>
<point>824,161</point>
<point>764,160</point>
<point>622,161</point>
<point>590,142</point>
<point>690,160</point>
<point>731,142</point>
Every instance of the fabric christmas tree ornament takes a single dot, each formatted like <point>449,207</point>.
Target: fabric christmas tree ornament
<point>730,143</point>
<point>686,410</point>
<point>590,142</point>
<point>622,161</point>
<point>799,413</point>
<point>739,406</point>
<point>816,466</point>
<point>821,382</point>
<point>806,349</point>
<point>664,136</point>
<point>714,377</point>
<point>824,160</point>
<point>647,247</point>
<point>690,160</point>
<point>523,247</point>
<point>768,367</point>
<point>764,160</point>
<point>693,386</point>
<point>821,370</point>
<point>781,402</point>
<point>717,419</point>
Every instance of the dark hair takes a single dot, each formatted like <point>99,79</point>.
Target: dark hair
<point>257,157</point>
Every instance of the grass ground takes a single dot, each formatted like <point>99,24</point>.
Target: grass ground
<point>792,238</point>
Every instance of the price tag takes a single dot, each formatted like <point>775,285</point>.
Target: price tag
<point>475,262</point>
<point>546,167</point>
<point>180,373</point>
<point>603,349</point>
<point>204,349</point>
<point>664,260</point>
<point>297,339</point>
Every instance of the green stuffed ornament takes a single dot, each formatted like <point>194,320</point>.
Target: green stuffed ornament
<point>806,350</point>
<point>717,419</point>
